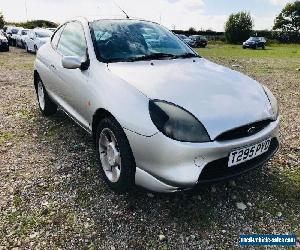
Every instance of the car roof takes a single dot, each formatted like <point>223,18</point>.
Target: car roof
<point>109,17</point>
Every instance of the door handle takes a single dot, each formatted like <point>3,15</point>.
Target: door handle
<point>52,66</point>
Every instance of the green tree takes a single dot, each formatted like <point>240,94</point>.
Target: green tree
<point>289,18</point>
<point>238,27</point>
<point>1,20</point>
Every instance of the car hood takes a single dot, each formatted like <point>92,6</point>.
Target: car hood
<point>222,99</point>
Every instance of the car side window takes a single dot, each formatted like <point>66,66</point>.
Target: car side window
<point>56,36</point>
<point>72,41</point>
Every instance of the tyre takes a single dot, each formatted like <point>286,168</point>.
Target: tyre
<point>46,105</point>
<point>263,46</point>
<point>115,155</point>
<point>244,47</point>
<point>35,49</point>
<point>26,48</point>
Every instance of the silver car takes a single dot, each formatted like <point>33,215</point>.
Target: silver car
<point>20,38</point>
<point>161,116</point>
<point>36,38</point>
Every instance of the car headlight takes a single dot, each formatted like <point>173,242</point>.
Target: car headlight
<point>3,40</point>
<point>177,123</point>
<point>273,102</point>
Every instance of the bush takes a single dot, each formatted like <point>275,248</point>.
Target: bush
<point>238,27</point>
<point>34,24</point>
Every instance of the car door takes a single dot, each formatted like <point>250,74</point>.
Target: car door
<point>73,82</point>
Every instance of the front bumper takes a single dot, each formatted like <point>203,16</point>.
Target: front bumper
<point>252,45</point>
<point>165,165</point>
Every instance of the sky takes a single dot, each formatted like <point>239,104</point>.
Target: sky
<point>179,14</point>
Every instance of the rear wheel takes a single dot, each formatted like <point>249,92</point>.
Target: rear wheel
<point>47,106</point>
<point>116,157</point>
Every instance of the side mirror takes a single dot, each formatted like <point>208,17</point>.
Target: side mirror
<point>71,62</point>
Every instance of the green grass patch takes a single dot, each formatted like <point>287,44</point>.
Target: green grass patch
<point>6,136</point>
<point>236,51</point>
<point>24,113</point>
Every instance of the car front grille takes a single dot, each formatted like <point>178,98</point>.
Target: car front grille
<point>218,170</point>
<point>243,131</point>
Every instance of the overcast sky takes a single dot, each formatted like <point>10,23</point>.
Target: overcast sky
<point>181,14</point>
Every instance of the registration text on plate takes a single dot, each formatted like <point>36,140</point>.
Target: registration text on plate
<point>245,154</point>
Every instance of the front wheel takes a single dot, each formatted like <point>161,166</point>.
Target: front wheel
<point>46,105</point>
<point>116,157</point>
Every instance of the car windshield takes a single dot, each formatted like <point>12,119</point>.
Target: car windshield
<point>130,40</point>
<point>43,33</point>
<point>255,39</point>
<point>182,36</point>
<point>14,31</point>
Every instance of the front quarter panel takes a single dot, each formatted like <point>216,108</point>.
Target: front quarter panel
<point>128,105</point>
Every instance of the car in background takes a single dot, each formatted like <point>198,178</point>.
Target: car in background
<point>186,39</point>
<point>20,38</point>
<point>4,46</point>
<point>11,33</point>
<point>255,43</point>
<point>51,29</point>
<point>36,38</point>
<point>199,41</point>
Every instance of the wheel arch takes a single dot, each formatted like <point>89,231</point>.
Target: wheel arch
<point>100,114</point>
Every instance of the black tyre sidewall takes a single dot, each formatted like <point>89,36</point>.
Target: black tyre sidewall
<point>127,177</point>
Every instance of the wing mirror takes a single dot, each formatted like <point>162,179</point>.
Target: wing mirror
<point>71,62</point>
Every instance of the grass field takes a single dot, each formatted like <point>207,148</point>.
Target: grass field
<point>52,197</point>
<point>275,51</point>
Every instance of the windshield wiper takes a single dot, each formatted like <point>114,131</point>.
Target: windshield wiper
<point>187,55</point>
<point>152,56</point>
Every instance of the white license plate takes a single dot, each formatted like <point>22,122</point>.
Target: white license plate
<point>245,154</point>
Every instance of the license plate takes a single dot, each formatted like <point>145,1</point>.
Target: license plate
<point>245,154</point>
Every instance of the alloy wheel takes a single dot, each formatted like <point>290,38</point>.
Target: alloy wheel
<point>110,156</point>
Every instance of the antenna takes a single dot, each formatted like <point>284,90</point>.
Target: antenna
<point>26,11</point>
<point>121,10</point>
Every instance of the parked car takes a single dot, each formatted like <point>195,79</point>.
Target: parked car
<point>199,41</point>
<point>11,33</point>
<point>36,38</point>
<point>163,118</point>
<point>186,39</point>
<point>255,42</point>
<point>20,38</point>
<point>51,29</point>
<point>4,46</point>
